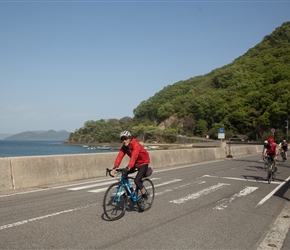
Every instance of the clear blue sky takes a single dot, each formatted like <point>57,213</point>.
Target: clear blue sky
<point>63,63</point>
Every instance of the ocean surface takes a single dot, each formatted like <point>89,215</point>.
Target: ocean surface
<point>13,148</point>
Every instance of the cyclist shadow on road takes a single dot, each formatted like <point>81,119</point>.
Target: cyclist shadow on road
<point>255,168</point>
<point>245,160</point>
<point>131,207</point>
<point>282,192</point>
<point>253,177</point>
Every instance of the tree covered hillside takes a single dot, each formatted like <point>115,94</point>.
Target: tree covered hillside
<point>248,96</point>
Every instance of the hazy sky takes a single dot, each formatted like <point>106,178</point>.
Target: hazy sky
<point>63,63</point>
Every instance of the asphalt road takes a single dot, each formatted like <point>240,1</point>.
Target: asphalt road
<point>212,205</point>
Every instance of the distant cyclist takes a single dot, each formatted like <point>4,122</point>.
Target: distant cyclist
<point>265,144</point>
<point>139,160</point>
<point>284,146</point>
<point>271,150</point>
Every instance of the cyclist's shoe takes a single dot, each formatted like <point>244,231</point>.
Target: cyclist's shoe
<point>142,203</point>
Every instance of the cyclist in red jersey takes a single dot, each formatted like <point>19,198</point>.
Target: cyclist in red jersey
<point>139,160</point>
<point>272,150</point>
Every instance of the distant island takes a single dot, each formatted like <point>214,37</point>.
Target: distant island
<point>50,135</point>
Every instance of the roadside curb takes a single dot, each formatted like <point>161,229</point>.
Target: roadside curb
<point>278,231</point>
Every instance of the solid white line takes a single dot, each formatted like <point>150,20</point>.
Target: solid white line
<point>267,197</point>
<point>200,193</point>
<point>239,179</point>
<point>43,217</point>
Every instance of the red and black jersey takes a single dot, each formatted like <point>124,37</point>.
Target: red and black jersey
<point>138,155</point>
<point>271,149</point>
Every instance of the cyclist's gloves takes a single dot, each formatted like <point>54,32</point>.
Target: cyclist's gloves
<point>126,170</point>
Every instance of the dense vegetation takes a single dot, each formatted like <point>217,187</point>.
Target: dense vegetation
<point>248,96</point>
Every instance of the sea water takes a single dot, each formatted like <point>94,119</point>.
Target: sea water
<point>12,148</point>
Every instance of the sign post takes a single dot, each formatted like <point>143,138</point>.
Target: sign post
<point>221,133</point>
<point>273,131</point>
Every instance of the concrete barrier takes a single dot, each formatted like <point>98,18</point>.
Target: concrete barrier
<point>38,171</point>
<point>6,181</point>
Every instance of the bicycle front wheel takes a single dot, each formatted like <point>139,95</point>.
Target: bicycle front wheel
<point>150,190</point>
<point>115,201</point>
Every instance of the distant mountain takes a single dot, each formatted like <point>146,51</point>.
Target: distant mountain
<point>2,136</point>
<point>61,135</point>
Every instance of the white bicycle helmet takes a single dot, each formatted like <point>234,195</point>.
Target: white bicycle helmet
<point>266,141</point>
<point>125,133</point>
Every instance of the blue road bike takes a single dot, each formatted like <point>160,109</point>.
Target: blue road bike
<point>119,195</point>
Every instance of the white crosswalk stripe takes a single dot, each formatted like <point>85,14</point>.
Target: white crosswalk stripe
<point>199,193</point>
<point>225,202</point>
<point>91,185</point>
<point>102,186</point>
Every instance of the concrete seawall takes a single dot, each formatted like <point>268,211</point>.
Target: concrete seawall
<point>38,171</point>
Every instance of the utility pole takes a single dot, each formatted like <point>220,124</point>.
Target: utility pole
<point>286,130</point>
<point>177,132</point>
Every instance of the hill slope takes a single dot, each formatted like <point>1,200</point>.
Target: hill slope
<point>249,96</point>
<point>41,135</point>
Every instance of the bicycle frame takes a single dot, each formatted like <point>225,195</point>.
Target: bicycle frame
<point>116,198</point>
<point>133,195</point>
<point>122,183</point>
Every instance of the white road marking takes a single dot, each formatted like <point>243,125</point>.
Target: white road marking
<point>267,197</point>
<point>168,182</point>
<point>200,193</point>
<point>98,190</point>
<point>92,185</point>
<point>239,179</point>
<point>50,188</point>
<point>181,186</point>
<point>44,217</point>
<point>96,185</point>
<point>224,202</point>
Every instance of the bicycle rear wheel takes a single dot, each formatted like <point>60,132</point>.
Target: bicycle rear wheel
<point>115,201</point>
<point>150,190</point>
<point>270,174</point>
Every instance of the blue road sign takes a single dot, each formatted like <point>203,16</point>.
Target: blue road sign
<point>221,130</point>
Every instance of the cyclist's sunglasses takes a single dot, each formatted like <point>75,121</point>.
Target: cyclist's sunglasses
<point>123,138</point>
